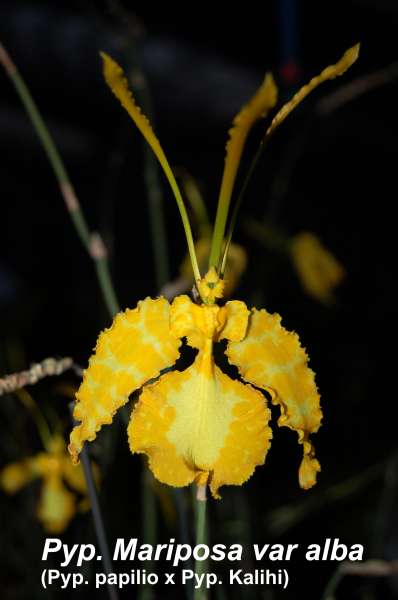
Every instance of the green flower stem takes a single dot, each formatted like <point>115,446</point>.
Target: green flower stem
<point>104,276</point>
<point>48,145</point>
<point>200,565</point>
<point>65,185</point>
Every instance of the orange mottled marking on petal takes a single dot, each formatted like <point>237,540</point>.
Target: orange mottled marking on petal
<point>133,350</point>
<point>272,358</point>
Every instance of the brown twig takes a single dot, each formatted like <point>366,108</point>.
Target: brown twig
<point>46,368</point>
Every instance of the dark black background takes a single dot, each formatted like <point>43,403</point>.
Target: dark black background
<point>202,63</point>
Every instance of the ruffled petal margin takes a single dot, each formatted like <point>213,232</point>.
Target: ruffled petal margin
<point>132,351</point>
<point>200,425</point>
<point>272,358</point>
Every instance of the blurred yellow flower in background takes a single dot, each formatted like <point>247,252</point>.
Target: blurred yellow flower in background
<point>57,504</point>
<point>318,270</point>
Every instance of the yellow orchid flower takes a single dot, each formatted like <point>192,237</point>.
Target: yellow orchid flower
<point>319,271</point>
<point>57,505</point>
<point>199,425</point>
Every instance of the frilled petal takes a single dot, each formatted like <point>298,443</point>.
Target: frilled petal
<point>56,506</point>
<point>16,475</point>
<point>272,358</point>
<point>132,351</point>
<point>200,425</point>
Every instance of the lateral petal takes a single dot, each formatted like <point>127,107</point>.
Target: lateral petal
<point>136,347</point>
<point>200,425</point>
<point>272,358</point>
